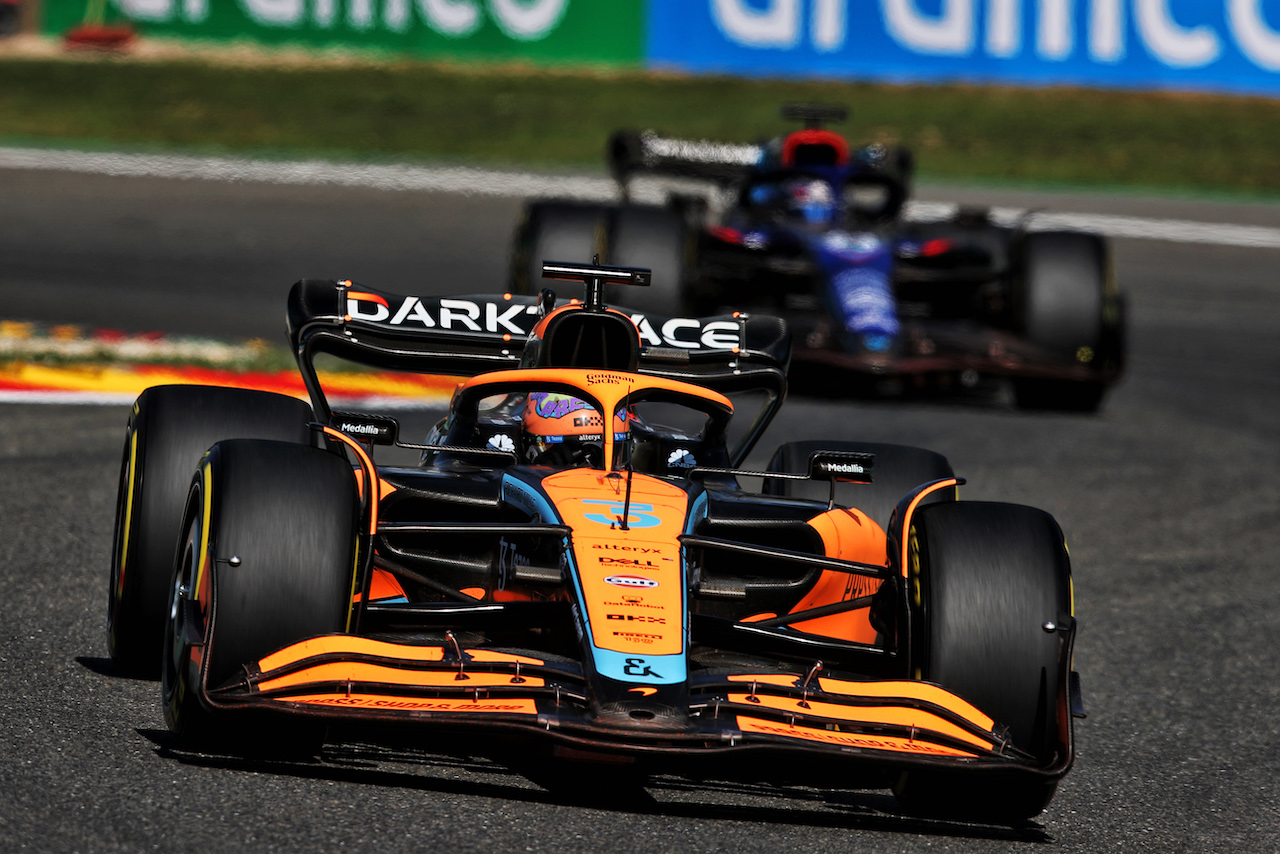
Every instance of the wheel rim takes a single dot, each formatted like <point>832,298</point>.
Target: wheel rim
<point>177,655</point>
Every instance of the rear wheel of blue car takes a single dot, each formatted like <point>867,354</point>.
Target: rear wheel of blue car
<point>1060,304</point>
<point>989,586</point>
<point>266,560</point>
<point>572,232</point>
<point>169,430</point>
<point>654,238</point>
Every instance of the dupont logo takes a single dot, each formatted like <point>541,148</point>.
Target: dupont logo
<point>631,582</point>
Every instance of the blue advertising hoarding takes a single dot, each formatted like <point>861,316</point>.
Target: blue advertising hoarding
<point>1194,45</point>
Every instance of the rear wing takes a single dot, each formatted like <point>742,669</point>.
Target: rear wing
<point>886,172</point>
<point>477,333</point>
<point>632,152</point>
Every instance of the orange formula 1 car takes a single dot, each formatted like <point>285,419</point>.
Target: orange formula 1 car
<point>574,566</point>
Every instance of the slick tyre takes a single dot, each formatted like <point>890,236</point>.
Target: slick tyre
<point>657,239</point>
<point>267,559</point>
<point>168,431</point>
<point>898,470</point>
<point>1059,302</point>
<point>555,231</point>
<point>985,579</point>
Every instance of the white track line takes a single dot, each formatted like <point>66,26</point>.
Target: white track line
<point>487,182</point>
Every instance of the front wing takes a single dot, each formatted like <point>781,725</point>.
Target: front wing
<point>895,723</point>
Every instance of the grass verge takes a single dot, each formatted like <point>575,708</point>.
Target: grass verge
<point>560,120</point>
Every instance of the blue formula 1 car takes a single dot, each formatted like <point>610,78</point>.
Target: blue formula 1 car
<point>806,228</point>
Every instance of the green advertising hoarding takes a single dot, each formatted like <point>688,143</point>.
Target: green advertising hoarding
<point>597,32</point>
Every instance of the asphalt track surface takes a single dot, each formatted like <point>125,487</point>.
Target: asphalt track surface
<point>1169,499</point>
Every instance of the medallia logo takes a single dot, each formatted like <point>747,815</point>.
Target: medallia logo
<point>631,582</point>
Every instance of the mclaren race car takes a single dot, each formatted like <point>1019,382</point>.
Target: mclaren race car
<point>572,565</point>
<point>806,228</point>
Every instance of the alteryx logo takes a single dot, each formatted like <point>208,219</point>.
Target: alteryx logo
<point>632,582</point>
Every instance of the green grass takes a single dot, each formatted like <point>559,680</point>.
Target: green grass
<point>551,120</point>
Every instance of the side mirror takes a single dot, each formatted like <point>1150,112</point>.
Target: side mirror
<point>842,466</point>
<point>367,428</point>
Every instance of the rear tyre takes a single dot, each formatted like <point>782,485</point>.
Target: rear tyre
<point>171,426</point>
<point>1059,304</point>
<point>654,238</point>
<point>555,231</point>
<point>898,470</point>
<point>271,564</point>
<point>985,579</point>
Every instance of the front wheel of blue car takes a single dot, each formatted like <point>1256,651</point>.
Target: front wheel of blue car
<point>266,560</point>
<point>990,592</point>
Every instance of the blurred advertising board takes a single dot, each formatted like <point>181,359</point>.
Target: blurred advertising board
<point>1210,45</point>
<point>609,32</point>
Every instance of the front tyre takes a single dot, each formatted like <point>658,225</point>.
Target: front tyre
<point>989,583</point>
<point>169,429</point>
<point>267,559</point>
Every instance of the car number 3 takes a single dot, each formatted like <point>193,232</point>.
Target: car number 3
<point>639,515</point>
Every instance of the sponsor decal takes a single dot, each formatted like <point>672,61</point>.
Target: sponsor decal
<point>368,429</point>
<point>1231,45</point>
<point>609,379</point>
<point>632,602</point>
<point>637,618</point>
<point>450,314</point>
<point>620,548</point>
<point>501,442</point>
<point>515,493</point>
<point>640,515</point>
<point>688,333</point>
<point>681,458</point>
<point>847,739</point>
<point>634,582</point>
<point>639,667</point>
<point>846,468</point>
<point>700,151</point>
<point>851,247</point>
<point>866,301</point>
<point>627,561</point>
<point>525,707</point>
<point>637,637</point>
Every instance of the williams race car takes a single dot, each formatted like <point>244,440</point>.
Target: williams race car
<point>808,229</point>
<point>574,566</point>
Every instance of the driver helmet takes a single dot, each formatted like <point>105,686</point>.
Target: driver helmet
<point>812,200</point>
<point>568,426</point>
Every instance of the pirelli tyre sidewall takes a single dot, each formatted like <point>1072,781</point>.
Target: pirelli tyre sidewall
<point>168,431</point>
<point>267,559</point>
<point>987,584</point>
